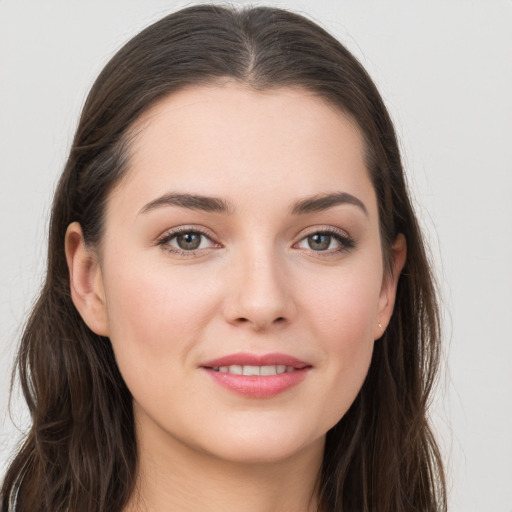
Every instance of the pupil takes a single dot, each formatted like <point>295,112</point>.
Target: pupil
<point>189,241</point>
<point>319,242</point>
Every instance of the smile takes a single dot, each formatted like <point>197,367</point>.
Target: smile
<point>255,376</point>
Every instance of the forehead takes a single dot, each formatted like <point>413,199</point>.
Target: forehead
<point>230,140</point>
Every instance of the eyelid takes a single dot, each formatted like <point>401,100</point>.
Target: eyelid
<point>323,229</point>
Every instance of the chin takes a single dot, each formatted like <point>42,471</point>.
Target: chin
<point>261,454</point>
<point>261,446</point>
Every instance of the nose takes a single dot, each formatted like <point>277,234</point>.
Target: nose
<point>260,294</point>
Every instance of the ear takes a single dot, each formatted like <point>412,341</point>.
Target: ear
<point>389,285</point>
<point>86,282</point>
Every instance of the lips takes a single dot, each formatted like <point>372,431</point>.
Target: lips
<point>257,376</point>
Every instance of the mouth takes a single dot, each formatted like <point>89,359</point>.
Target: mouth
<point>255,376</point>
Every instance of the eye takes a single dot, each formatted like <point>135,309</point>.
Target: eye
<point>186,241</point>
<point>326,241</point>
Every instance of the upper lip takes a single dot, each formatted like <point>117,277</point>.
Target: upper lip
<point>246,359</point>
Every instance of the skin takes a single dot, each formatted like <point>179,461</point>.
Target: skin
<point>255,284</point>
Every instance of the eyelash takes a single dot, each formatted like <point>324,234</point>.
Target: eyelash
<point>346,242</point>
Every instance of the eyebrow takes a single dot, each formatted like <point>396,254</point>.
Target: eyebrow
<point>323,202</point>
<point>311,204</point>
<point>190,201</point>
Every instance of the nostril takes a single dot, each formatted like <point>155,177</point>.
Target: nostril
<point>244,320</point>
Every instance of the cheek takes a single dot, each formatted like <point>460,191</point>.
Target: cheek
<point>154,315</point>
<point>344,306</point>
<point>343,315</point>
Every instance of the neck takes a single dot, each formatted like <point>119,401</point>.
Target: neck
<point>173,476</point>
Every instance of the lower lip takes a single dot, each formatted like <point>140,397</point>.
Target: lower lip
<point>258,386</point>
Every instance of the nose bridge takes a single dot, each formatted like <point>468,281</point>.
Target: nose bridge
<point>260,293</point>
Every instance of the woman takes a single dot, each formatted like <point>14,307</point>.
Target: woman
<point>238,311</point>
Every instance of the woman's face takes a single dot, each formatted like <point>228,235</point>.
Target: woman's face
<point>244,238</point>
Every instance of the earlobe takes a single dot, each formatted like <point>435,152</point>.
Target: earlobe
<point>85,281</point>
<point>390,284</point>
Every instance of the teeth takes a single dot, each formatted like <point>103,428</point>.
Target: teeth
<point>251,370</point>
<point>268,370</point>
<point>236,369</point>
<point>255,370</point>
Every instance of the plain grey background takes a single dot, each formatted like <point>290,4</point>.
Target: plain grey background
<point>444,68</point>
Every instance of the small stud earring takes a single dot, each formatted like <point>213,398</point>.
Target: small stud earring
<point>380,325</point>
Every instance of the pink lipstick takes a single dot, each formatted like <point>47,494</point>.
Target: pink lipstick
<point>257,376</point>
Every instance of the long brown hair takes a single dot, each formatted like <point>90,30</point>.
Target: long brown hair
<point>80,453</point>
